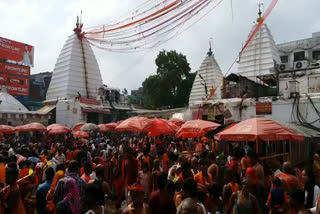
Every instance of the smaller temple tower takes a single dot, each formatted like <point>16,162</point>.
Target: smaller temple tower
<point>207,82</point>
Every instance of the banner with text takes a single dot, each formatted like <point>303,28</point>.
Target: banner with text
<point>16,51</point>
<point>15,77</point>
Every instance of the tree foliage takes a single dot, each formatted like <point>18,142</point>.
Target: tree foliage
<point>171,86</point>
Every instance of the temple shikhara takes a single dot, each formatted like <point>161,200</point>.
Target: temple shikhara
<point>76,92</point>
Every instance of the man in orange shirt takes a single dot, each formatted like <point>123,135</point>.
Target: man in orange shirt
<point>202,178</point>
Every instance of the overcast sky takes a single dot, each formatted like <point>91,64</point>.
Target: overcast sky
<point>46,24</point>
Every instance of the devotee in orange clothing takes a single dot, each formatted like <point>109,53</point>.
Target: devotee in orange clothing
<point>2,170</point>
<point>14,204</point>
<point>202,178</point>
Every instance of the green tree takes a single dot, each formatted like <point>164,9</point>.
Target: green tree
<point>171,86</point>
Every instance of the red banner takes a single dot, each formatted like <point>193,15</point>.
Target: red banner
<point>264,108</point>
<point>89,101</point>
<point>15,77</point>
<point>16,51</point>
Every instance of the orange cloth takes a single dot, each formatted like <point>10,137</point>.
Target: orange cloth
<point>199,179</point>
<point>234,187</point>
<point>245,163</point>
<point>165,167</point>
<point>50,196</point>
<point>70,156</point>
<point>23,173</point>
<point>252,174</point>
<point>147,160</point>
<point>290,182</point>
<point>215,146</point>
<point>2,173</point>
<point>43,159</point>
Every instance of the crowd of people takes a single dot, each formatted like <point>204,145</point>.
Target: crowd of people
<point>123,173</point>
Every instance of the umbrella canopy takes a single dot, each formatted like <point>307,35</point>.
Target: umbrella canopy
<point>88,127</point>
<point>56,130</point>
<point>7,129</point>
<point>196,128</point>
<point>31,127</point>
<point>160,126</point>
<point>53,126</point>
<point>177,121</point>
<point>134,124</point>
<point>174,126</point>
<point>77,127</point>
<point>81,134</point>
<point>259,129</point>
<point>104,128</point>
<point>118,123</point>
<point>112,125</point>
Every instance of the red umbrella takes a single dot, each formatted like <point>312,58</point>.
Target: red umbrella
<point>78,126</point>
<point>7,129</point>
<point>177,121</point>
<point>217,136</point>
<point>112,125</point>
<point>160,126</point>
<point>196,128</point>
<point>104,128</point>
<point>134,124</point>
<point>53,126</point>
<point>174,126</point>
<point>259,129</point>
<point>81,134</point>
<point>31,127</point>
<point>118,123</point>
<point>59,130</point>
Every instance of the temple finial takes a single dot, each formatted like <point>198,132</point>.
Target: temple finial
<point>210,48</point>
<point>259,13</point>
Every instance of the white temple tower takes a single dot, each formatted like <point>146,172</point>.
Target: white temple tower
<point>258,60</point>
<point>208,76</point>
<point>73,93</point>
<point>76,71</point>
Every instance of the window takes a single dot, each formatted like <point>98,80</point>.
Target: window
<point>316,55</point>
<point>298,56</point>
<point>284,59</point>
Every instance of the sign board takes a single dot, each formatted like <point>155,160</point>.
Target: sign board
<point>16,78</point>
<point>16,51</point>
<point>89,101</point>
<point>264,108</point>
<point>211,114</point>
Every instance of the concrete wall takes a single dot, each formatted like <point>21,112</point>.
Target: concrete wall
<point>69,113</point>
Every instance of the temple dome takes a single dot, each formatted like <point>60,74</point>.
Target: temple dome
<point>9,103</point>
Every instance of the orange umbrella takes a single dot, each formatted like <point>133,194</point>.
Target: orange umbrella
<point>196,128</point>
<point>177,121</point>
<point>160,126</point>
<point>59,130</point>
<point>78,126</point>
<point>134,124</point>
<point>32,127</point>
<point>104,128</point>
<point>7,129</point>
<point>259,129</point>
<point>81,134</point>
